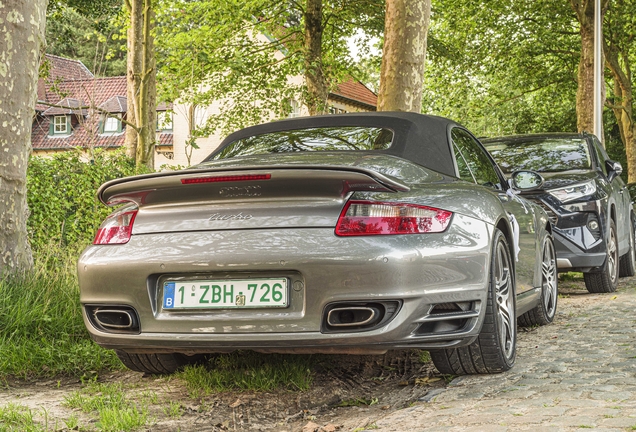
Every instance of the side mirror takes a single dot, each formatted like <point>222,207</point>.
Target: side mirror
<point>526,180</point>
<point>614,169</point>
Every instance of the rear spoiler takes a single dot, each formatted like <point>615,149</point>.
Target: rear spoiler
<point>245,181</point>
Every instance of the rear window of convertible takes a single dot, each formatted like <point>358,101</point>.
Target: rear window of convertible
<point>349,138</point>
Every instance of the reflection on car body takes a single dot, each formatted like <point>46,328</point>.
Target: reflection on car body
<point>354,233</point>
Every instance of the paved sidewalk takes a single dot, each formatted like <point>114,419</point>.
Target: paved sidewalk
<point>578,373</point>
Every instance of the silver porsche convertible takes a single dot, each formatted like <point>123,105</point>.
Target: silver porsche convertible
<point>354,233</point>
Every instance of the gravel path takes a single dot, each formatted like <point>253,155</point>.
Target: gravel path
<point>578,373</point>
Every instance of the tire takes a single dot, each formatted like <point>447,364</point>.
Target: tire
<point>494,350</point>
<point>627,265</point>
<point>156,364</point>
<point>544,312</point>
<point>607,280</point>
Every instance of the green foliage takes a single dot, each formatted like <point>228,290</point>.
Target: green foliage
<point>241,54</point>
<point>248,371</point>
<point>503,68</point>
<point>43,333</point>
<point>88,31</point>
<point>61,193</point>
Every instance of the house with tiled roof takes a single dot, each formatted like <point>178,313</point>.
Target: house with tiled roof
<point>76,109</point>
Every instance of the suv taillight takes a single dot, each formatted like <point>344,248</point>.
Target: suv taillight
<point>117,228</point>
<point>360,218</point>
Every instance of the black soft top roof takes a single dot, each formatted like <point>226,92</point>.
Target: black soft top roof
<point>420,138</point>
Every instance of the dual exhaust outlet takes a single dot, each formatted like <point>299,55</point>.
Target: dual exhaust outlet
<point>114,319</point>
<point>351,316</point>
<point>338,317</point>
<point>358,316</point>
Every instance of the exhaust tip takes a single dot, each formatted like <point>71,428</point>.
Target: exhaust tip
<point>351,316</point>
<point>358,316</point>
<point>113,319</point>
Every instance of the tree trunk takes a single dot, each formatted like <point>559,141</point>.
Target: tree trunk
<point>623,105</point>
<point>317,90</point>
<point>584,10</point>
<point>403,56</point>
<point>141,82</point>
<point>22,24</point>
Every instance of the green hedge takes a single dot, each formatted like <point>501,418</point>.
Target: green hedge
<point>61,193</point>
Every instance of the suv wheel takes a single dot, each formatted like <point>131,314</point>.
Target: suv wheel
<point>607,280</point>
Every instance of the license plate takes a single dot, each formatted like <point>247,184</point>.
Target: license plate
<point>235,293</point>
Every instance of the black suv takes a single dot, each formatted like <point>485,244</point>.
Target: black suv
<point>586,200</point>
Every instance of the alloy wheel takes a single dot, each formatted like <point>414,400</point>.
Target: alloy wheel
<point>505,302</point>
<point>549,278</point>
<point>612,256</point>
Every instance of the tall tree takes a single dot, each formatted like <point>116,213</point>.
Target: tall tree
<point>403,55</point>
<point>620,53</point>
<point>584,10</point>
<point>22,24</point>
<point>317,89</point>
<point>141,84</point>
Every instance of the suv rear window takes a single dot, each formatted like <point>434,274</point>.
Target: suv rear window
<point>541,154</point>
<point>348,138</point>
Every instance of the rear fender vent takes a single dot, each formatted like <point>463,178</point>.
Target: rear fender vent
<point>448,318</point>
<point>113,318</point>
<point>357,316</point>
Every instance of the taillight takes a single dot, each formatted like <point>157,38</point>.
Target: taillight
<point>360,218</point>
<point>117,227</point>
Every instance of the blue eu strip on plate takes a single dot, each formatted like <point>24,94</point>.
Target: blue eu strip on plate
<point>168,295</point>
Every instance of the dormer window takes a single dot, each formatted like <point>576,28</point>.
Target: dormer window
<point>110,125</point>
<point>60,125</point>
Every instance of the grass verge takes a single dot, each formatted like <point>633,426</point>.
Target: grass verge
<point>43,333</point>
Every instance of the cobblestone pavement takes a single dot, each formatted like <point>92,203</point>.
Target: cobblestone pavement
<point>579,373</point>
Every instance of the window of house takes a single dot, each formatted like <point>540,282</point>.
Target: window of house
<point>200,115</point>
<point>164,120</point>
<point>295,108</point>
<point>335,110</point>
<point>60,125</point>
<point>112,124</point>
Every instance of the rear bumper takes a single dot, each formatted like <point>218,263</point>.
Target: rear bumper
<point>419,271</point>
